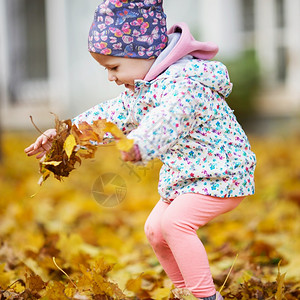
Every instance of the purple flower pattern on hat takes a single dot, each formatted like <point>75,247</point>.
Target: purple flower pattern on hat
<point>129,28</point>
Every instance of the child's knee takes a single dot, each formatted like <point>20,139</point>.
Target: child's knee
<point>153,234</point>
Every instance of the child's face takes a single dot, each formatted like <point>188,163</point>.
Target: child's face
<point>123,70</point>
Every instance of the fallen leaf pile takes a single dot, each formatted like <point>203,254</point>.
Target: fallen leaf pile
<point>73,142</point>
<point>61,244</point>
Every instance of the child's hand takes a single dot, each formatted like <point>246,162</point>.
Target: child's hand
<point>132,155</point>
<point>42,144</point>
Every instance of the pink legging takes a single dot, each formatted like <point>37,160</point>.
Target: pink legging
<point>172,232</point>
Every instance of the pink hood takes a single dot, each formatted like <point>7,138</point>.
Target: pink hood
<point>186,45</point>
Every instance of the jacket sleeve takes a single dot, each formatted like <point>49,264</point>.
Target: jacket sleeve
<point>116,111</point>
<point>173,118</point>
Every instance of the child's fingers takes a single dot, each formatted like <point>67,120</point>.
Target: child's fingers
<point>49,134</point>
<point>47,147</point>
<point>45,139</point>
<point>37,143</point>
<point>29,148</point>
<point>34,151</point>
<point>43,148</point>
<point>41,141</point>
<point>128,156</point>
<point>41,155</point>
<point>42,144</point>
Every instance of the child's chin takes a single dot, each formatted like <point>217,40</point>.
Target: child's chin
<point>130,87</point>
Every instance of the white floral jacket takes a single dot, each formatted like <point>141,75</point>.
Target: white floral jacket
<point>182,118</point>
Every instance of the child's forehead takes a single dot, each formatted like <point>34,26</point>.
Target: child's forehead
<point>109,61</point>
<point>104,59</point>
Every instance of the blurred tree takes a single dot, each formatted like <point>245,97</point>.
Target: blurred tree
<point>244,73</point>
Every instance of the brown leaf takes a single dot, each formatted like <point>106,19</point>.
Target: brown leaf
<point>34,283</point>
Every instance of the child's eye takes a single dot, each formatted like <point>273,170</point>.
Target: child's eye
<point>111,68</point>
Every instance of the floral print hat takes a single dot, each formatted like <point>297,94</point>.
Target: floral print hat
<point>129,28</point>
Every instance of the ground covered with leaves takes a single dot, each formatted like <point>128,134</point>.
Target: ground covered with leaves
<point>63,241</point>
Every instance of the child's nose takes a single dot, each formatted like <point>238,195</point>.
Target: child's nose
<point>111,77</point>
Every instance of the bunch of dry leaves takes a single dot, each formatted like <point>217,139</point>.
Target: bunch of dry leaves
<point>73,142</point>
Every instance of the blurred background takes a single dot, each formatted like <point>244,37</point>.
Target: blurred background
<point>45,65</point>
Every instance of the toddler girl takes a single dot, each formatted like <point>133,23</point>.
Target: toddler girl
<point>174,109</point>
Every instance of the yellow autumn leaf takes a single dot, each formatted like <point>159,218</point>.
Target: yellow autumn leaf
<point>69,245</point>
<point>183,294</point>
<point>70,292</point>
<point>161,294</point>
<point>247,275</point>
<point>51,163</point>
<point>5,277</point>
<point>114,130</point>
<point>55,290</point>
<point>134,285</point>
<point>69,145</point>
<point>46,174</point>
<point>18,287</point>
<point>85,273</point>
<point>125,144</point>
